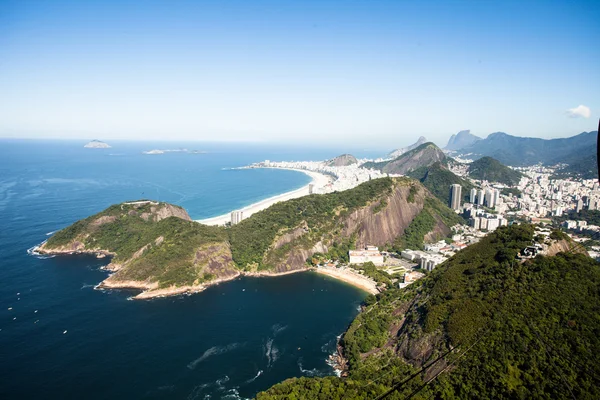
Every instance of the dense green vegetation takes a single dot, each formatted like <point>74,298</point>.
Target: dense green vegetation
<point>251,238</point>
<point>492,170</point>
<point>518,329</point>
<point>170,261</point>
<point>423,223</point>
<point>378,275</point>
<point>439,179</point>
<point>592,217</point>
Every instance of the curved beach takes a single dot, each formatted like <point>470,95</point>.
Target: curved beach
<point>318,180</point>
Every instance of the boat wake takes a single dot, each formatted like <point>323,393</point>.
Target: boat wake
<point>213,351</point>
<point>260,372</point>
<point>271,352</point>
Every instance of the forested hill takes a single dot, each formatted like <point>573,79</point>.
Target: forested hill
<point>483,325</point>
<point>492,170</point>
<point>438,179</point>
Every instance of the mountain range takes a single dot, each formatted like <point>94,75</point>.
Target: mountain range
<point>523,151</point>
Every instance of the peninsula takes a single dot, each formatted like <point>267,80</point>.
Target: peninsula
<point>157,248</point>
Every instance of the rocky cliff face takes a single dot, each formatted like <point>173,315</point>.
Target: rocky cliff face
<point>378,224</point>
<point>461,139</point>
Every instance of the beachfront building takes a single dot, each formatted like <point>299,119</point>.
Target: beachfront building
<point>236,217</point>
<point>369,254</point>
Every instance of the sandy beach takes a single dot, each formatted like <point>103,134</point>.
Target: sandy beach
<point>351,277</point>
<point>319,180</point>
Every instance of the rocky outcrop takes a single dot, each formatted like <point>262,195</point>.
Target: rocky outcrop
<point>564,245</point>
<point>387,224</point>
<point>164,210</point>
<point>378,224</point>
<point>461,139</point>
<point>342,161</point>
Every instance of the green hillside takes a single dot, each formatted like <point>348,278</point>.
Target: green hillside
<point>482,325</point>
<point>438,179</point>
<point>252,238</point>
<point>492,170</point>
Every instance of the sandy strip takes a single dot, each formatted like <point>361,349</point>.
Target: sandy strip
<point>318,179</point>
<point>351,277</point>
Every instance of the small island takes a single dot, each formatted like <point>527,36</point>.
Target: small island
<point>97,144</point>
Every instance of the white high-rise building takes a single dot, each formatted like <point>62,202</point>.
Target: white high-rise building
<point>455,196</point>
<point>480,197</point>
<point>473,196</point>
<point>489,198</point>
<point>236,217</point>
<point>496,196</point>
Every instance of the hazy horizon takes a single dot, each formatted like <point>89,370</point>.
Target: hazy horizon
<point>320,72</point>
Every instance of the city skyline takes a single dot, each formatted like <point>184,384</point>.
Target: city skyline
<point>289,72</point>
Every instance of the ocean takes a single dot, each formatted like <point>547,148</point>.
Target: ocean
<point>60,338</point>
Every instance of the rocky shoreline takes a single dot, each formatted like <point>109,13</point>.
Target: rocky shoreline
<point>151,289</point>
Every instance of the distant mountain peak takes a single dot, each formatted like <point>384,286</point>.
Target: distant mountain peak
<point>423,155</point>
<point>461,139</point>
<point>398,152</point>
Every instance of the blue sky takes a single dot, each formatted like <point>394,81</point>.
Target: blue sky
<point>361,71</point>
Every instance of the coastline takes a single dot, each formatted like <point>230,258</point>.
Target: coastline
<point>350,277</point>
<point>150,289</point>
<point>318,179</point>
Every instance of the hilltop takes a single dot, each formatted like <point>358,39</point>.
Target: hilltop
<point>523,151</point>
<point>402,150</point>
<point>342,161</point>
<point>492,170</point>
<point>482,325</point>
<point>461,140</point>
<point>155,247</point>
<point>421,156</point>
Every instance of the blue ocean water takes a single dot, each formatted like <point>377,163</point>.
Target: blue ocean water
<point>60,338</point>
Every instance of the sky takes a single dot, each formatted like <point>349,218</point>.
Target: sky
<point>375,73</point>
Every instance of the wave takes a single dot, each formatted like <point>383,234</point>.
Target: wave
<point>51,233</point>
<point>271,352</point>
<point>215,350</point>
<point>32,252</point>
<point>278,328</point>
<point>260,372</point>
<point>309,372</point>
<point>85,286</point>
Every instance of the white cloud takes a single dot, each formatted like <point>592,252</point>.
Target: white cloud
<point>579,111</point>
